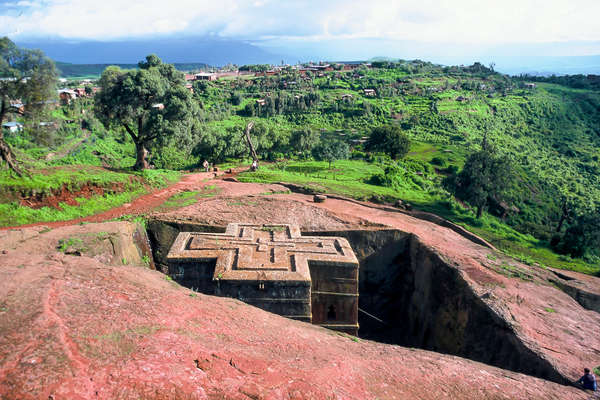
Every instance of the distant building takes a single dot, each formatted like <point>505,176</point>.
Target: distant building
<point>159,106</point>
<point>369,92</point>
<point>66,96</point>
<point>351,66</point>
<point>18,107</point>
<point>530,85</point>
<point>206,76</point>
<point>12,127</point>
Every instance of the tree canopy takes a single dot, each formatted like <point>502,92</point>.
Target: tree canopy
<point>582,236</point>
<point>150,103</point>
<point>26,77</point>
<point>331,151</point>
<point>486,176</point>
<point>304,140</point>
<point>388,139</point>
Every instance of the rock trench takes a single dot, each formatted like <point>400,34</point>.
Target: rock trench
<point>411,296</point>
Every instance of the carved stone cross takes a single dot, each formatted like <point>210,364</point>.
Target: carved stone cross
<point>274,267</point>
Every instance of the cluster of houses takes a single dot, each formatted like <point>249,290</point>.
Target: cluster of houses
<point>276,70</point>
<point>65,96</point>
<point>14,126</point>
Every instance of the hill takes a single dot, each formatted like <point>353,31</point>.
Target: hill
<point>549,131</point>
<point>68,70</point>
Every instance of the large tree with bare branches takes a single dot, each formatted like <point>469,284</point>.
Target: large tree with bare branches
<point>27,77</point>
<point>150,103</point>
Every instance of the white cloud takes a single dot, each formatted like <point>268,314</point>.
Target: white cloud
<point>450,21</point>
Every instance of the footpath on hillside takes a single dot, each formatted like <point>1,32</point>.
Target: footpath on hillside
<point>140,205</point>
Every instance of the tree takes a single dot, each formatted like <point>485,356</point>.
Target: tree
<point>27,76</point>
<point>581,237</point>
<point>485,176</point>
<point>150,103</point>
<point>331,151</point>
<point>305,139</point>
<point>388,139</point>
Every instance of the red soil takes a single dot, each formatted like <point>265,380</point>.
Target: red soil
<point>148,202</point>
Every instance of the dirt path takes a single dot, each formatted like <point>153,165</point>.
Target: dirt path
<point>72,146</point>
<point>140,205</point>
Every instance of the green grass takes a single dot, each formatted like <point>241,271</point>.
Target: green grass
<point>74,177</point>
<point>73,242</point>
<point>13,214</point>
<point>187,198</point>
<point>348,177</point>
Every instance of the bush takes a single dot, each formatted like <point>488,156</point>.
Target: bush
<point>438,161</point>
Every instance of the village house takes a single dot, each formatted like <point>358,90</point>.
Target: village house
<point>17,106</point>
<point>12,127</point>
<point>320,68</point>
<point>369,92</point>
<point>205,76</point>
<point>351,66</point>
<point>530,85</point>
<point>66,96</point>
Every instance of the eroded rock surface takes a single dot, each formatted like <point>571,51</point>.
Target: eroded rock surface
<point>438,289</point>
<point>76,327</point>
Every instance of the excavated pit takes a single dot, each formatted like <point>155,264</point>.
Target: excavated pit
<point>409,296</point>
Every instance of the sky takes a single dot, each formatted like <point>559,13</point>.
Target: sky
<point>339,29</point>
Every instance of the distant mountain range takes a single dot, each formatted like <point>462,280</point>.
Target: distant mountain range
<point>202,51</point>
<point>173,50</point>
<point>68,70</point>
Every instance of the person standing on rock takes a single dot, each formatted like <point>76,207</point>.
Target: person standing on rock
<point>588,380</point>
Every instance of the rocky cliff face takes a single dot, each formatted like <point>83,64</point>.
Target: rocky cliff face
<point>84,325</point>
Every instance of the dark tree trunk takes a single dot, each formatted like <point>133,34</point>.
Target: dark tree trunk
<point>479,211</point>
<point>141,150</point>
<point>250,145</point>
<point>565,214</point>
<point>141,162</point>
<point>6,153</point>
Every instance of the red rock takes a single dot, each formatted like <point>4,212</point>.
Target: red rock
<point>120,332</point>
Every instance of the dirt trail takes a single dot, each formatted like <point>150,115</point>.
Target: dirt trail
<point>68,149</point>
<point>140,205</point>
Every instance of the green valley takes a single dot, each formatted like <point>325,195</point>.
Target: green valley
<point>549,133</point>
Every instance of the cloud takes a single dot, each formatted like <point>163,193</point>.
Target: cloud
<point>440,21</point>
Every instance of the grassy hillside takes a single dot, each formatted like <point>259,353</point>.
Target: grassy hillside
<point>550,133</point>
